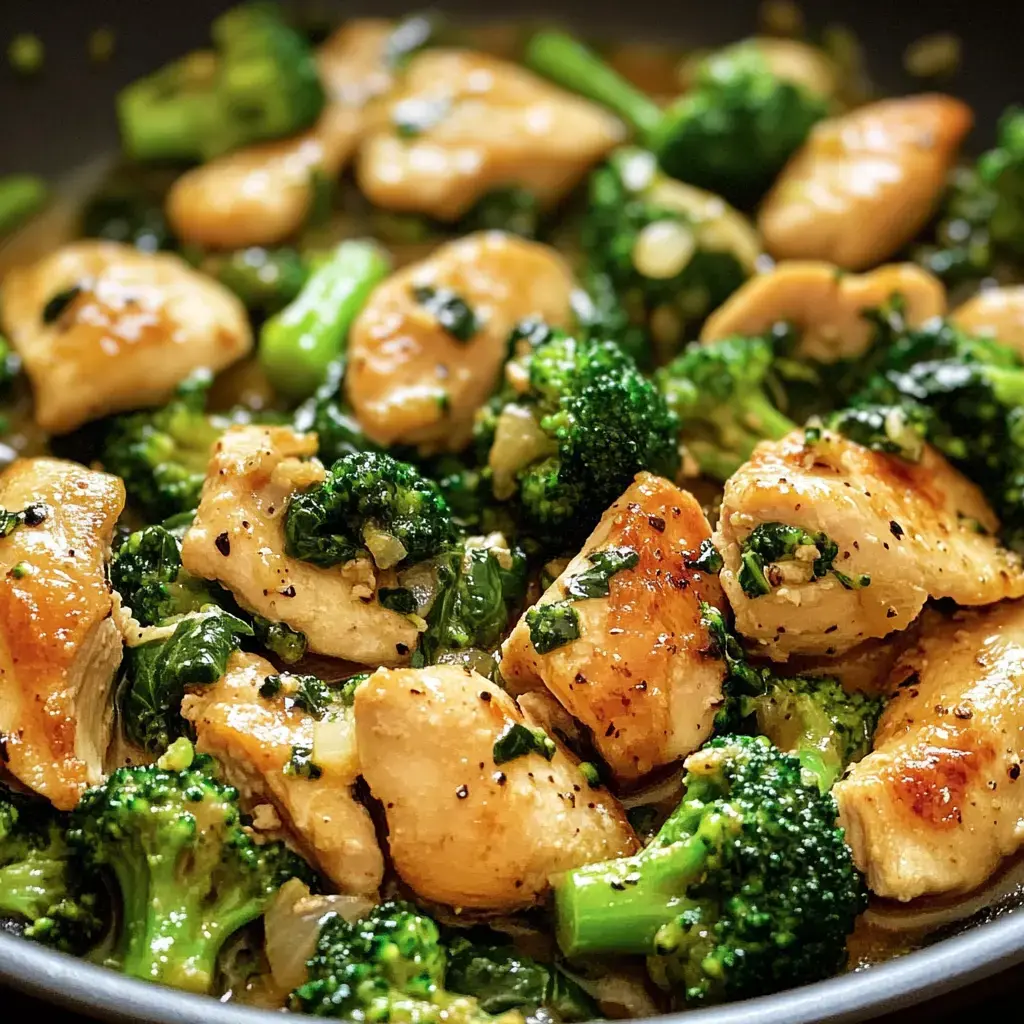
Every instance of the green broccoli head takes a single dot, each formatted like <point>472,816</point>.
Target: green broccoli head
<point>372,501</point>
<point>161,454</point>
<point>660,255</point>
<point>266,280</point>
<point>261,83</point>
<point>981,225</point>
<point>593,421</point>
<point>187,871</point>
<point>736,128</point>
<point>44,895</point>
<point>816,720</point>
<point>899,429</point>
<point>720,392</point>
<point>387,966</point>
<point>146,571</point>
<point>748,888</point>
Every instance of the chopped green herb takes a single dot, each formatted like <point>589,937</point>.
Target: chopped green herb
<point>58,303</point>
<point>397,599</point>
<point>517,740</point>
<point>451,310</point>
<point>596,581</point>
<point>20,571</point>
<point>302,764</point>
<point>308,693</point>
<point>852,582</point>
<point>30,515</point>
<point>709,559</point>
<point>591,773</point>
<point>552,625</point>
<point>279,638</point>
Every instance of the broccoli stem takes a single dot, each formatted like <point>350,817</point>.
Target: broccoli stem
<point>568,62</point>
<point>620,905</point>
<point>298,344</point>
<point>21,195</point>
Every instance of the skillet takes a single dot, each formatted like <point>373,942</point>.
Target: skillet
<point>65,116</point>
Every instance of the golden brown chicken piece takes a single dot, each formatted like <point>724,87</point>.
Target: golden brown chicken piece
<point>865,183</point>
<point>409,381</point>
<point>59,647</point>
<point>462,124</point>
<point>253,737</point>
<point>102,327</point>
<point>238,539</point>
<point>825,305</point>
<point>463,829</point>
<point>995,313</point>
<point>262,194</point>
<point>940,800</point>
<point>641,675</point>
<point>918,530</point>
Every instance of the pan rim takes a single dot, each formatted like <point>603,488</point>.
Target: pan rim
<point>860,995</point>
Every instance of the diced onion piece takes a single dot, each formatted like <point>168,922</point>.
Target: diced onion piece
<point>292,924</point>
<point>518,441</point>
<point>663,249</point>
<point>387,550</point>
<point>334,745</point>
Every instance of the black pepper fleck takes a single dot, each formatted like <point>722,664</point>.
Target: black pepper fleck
<point>223,544</point>
<point>462,792</point>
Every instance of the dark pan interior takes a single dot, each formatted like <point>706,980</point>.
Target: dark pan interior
<point>65,116</point>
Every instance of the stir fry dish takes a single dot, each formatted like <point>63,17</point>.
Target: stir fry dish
<point>491,534</point>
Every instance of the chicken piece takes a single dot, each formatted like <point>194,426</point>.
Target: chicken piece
<point>409,380</point>
<point>262,194</point>
<point>919,531</point>
<point>825,305</point>
<point>640,676</point>
<point>995,312</point>
<point>464,829</point>
<point>462,124</point>
<point>940,799</point>
<point>864,668</point>
<point>101,328</point>
<point>59,647</point>
<point>252,737</point>
<point>238,539</point>
<point>864,184</point>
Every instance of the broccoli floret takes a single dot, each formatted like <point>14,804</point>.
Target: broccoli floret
<point>731,133</point>
<point>663,249</point>
<point>261,83</point>
<point>592,420</point>
<point>44,895</point>
<point>512,209</point>
<point>964,396</point>
<point>552,625</point>
<point>387,966</point>
<point>154,674</point>
<point>280,639</point>
<point>266,280</point>
<point>146,571</point>
<point>369,500</point>
<point>491,971</point>
<point>816,720</point>
<point>748,888</point>
<point>162,454</point>
<point>478,587</point>
<point>981,225</point>
<point>719,392</point>
<point>773,553</point>
<point>891,429</point>
<point>188,872</point>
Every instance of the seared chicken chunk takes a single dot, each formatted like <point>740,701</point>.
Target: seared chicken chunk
<point>466,828</point>
<point>640,675</point>
<point>262,194</point>
<point>995,313</point>
<point>59,647</point>
<point>462,124</point>
<point>102,327</point>
<point>825,305</point>
<point>918,531</point>
<point>940,800</point>
<point>253,738</point>
<point>238,539</point>
<point>864,184</point>
<point>409,379</point>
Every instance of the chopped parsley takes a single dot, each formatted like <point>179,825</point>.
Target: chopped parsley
<point>517,740</point>
<point>596,581</point>
<point>709,559</point>
<point>552,625</point>
<point>302,764</point>
<point>452,311</point>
